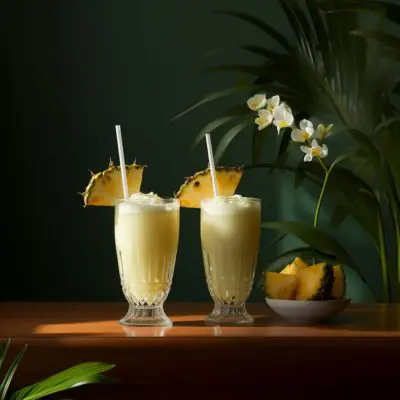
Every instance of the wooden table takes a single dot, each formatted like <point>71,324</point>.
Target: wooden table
<point>356,355</point>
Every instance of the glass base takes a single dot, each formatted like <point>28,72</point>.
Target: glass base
<point>146,316</point>
<point>229,315</point>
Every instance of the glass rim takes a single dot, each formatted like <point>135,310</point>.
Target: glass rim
<point>251,199</point>
<point>163,200</point>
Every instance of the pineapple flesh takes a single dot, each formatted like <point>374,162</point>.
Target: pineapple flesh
<point>300,281</point>
<point>339,283</point>
<point>105,187</point>
<point>295,267</point>
<point>199,186</point>
<point>280,286</point>
<point>315,282</point>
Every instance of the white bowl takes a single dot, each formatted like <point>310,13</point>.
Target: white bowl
<point>307,311</point>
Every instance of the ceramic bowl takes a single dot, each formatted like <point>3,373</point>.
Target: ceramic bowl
<point>308,311</point>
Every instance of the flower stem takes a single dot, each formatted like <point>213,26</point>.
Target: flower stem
<point>384,266</point>
<point>321,195</point>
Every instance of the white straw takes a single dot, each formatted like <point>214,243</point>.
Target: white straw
<point>212,165</point>
<point>122,161</point>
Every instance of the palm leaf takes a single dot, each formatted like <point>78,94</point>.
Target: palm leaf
<point>392,10</point>
<point>315,238</point>
<point>260,24</point>
<point>383,38</point>
<point>3,351</point>
<point>389,140</point>
<point>227,139</point>
<point>369,66</point>
<point>324,72</point>
<point>225,118</point>
<point>335,6</point>
<point>210,127</point>
<point>384,173</point>
<point>396,89</point>
<point>284,145</point>
<point>5,384</point>
<point>264,52</point>
<point>81,374</point>
<point>259,138</point>
<point>274,241</point>
<point>380,7</point>
<point>362,205</point>
<point>303,30</point>
<point>282,167</point>
<point>352,194</point>
<point>321,35</point>
<point>215,96</point>
<point>256,70</point>
<point>338,216</point>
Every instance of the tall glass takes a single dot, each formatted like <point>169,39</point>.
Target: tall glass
<point>230,236</point>
<point>146,241</point>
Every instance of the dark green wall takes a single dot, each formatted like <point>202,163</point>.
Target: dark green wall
<point>71,70</point>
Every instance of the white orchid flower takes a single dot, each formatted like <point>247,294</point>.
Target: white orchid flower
<point>257,102</point>
<point>305,131</point>
<point>264,119</point>
<point>283,116</point>
<point>314,151</point>
<point>272,103</point>
<point>324,131</point>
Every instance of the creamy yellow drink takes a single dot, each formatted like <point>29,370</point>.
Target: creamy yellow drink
<point>146,240</point>
<point>230,236</point>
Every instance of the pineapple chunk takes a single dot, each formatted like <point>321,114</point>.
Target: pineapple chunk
<point>339,282</point>
<point>199,186</point>
<point>280,286</point>
<point>295,267</point>
<point>315,282</point>
<point>105,187</point>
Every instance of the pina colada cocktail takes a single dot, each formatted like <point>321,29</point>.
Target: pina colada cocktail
<point>146,229</point>
<point>230,236</point>
<point>146,241</point>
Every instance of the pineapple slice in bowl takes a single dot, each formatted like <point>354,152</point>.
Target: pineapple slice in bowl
<point>280,286</point>
<point>308,294</point>
<point>199,186</point>
<point>105,187</point>
<point>295,267</point>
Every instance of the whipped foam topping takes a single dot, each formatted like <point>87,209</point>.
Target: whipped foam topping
<point>147,198</point>
<point>230,205</point>
<point>145,202</point>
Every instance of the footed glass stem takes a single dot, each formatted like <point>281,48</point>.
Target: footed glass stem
<point>146,316</point>
<point>224,314</point>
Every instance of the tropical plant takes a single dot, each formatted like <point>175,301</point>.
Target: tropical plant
<point>78,375</point>
<point>341,71</point>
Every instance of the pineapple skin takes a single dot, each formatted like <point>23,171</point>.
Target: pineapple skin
<point>95,177</point>
<point>201,174</point>
<point>326,287</point>
<point>338,292</point>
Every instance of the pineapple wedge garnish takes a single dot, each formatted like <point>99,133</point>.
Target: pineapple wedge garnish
<point>105,187</point>
<point>199,186</point>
